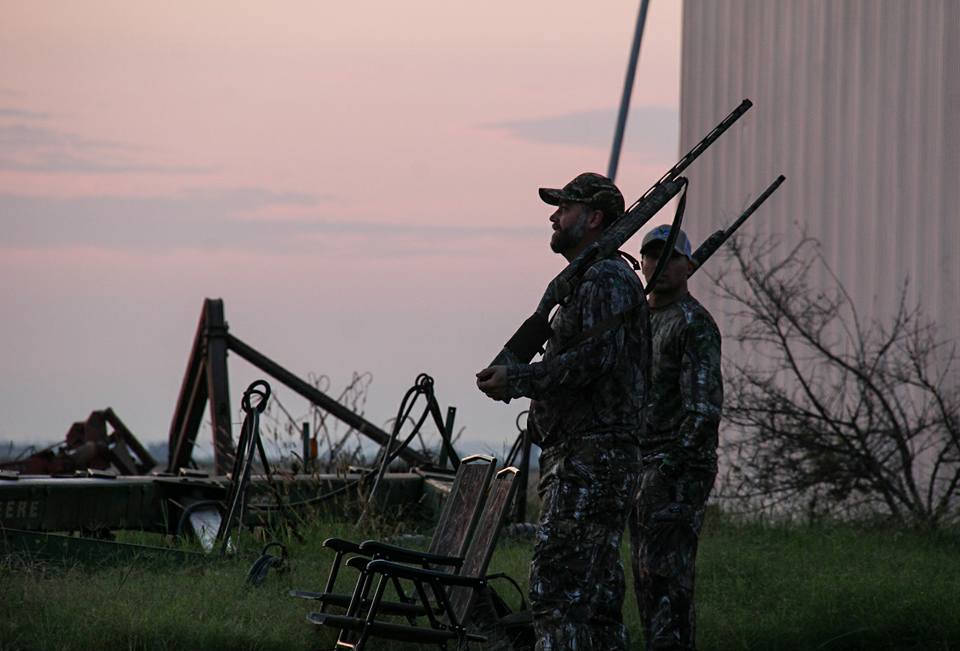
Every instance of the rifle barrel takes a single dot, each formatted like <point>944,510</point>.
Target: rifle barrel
<point>535,331</point>
<point>718,239</point>
<point>699,148</point>
<point>753,206</point>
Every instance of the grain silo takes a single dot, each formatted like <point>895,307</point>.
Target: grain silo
<point>858,104</point>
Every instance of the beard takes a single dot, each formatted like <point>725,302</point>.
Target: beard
<point>567,239</point>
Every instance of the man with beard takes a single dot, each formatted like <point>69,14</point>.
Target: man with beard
<point>679,446</point>
<point>587,398</point>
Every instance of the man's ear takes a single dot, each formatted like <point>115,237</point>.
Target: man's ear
<point>595,220</point>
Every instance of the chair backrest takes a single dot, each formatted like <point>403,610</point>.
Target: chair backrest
<point>463,505</point>
<point>484,539</point>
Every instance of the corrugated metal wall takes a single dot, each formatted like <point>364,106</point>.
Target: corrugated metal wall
<point>857,102</point>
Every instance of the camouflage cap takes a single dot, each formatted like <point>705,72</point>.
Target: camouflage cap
<point>591,189</point>
<point>661,233</point>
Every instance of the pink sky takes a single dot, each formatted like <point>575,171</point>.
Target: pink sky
<point>356,181</point>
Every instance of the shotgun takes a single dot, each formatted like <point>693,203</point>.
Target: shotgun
<point>715,241</point>
<point>530,337</point>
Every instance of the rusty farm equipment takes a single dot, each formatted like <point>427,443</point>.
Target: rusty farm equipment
<point>101,478</point>
<point>100,443</point>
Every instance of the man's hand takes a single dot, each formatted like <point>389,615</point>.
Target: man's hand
<point>669,466</point>
<point>493,382</point>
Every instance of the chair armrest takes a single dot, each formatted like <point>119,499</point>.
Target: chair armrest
<point>341,545</point>
<point>401,571</point>
<point>358,562</point>
<point>404,555</point>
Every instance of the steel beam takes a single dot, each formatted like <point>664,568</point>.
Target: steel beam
<point>180,441</point>
<point>186,436</point>
<point>320,399</point>
<point>218,387</point>
<point>148,503</point>
<point>121,431</point>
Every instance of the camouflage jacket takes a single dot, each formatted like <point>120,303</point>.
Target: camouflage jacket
<point>597,385</point>
<point>686,391</point>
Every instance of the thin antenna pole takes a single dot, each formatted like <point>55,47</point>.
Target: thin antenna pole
<point>627,91</point>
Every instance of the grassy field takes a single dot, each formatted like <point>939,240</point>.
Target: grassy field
<point>759,587</point>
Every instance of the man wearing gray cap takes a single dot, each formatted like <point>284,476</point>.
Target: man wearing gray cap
<point>587,406</point>
<point>679,446</point>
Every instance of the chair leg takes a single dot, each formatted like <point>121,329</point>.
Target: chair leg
<point>370,615</point>
<point>359,594</point>
<point>331,579</point>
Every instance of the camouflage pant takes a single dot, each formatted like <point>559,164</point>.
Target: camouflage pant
<point>664,532</point>
<point>576,577</point>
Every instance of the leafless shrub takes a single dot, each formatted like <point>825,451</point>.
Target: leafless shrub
<point>831,413</point>
<point>339,445</point>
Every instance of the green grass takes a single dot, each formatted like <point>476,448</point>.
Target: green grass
<point>827,587</point>
<point>759,587</point>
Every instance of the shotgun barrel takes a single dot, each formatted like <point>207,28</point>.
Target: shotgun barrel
<point>529,339</point>
<point>715,241</point>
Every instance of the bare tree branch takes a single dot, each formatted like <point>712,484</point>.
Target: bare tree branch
<point>834,414</point>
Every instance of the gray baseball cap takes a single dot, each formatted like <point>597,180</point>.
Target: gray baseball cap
<point>661,233</point>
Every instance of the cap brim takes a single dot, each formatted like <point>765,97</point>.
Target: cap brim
<point>649,243</point>
<point>662,242</point>
<point>552,196</point>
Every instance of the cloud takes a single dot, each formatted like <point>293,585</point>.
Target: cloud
<point>652,132</point>
<point>25,136</point>
<point>29,147</point>
<point>9,112</point>
<point>61,162</point>
<point>212,220</point>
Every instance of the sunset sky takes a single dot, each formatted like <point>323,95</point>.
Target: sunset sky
<point>357,181</point>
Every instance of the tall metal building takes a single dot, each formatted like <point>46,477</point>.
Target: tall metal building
<point>857,102</point>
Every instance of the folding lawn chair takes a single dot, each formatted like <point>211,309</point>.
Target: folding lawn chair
<point>444,599</point>
<point>461,509</point>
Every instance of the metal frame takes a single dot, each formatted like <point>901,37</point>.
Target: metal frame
<point>206,380</point>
